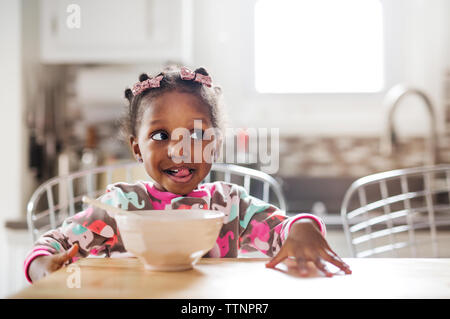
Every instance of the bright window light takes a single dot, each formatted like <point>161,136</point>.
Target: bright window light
<point>318,46</point>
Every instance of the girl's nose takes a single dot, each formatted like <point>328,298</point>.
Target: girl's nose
<point>179,151</point>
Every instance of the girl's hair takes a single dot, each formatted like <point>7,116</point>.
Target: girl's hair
<point>171,81</point>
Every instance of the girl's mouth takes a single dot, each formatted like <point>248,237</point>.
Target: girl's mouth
<point>180,174</point>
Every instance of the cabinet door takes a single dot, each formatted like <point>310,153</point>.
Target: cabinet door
<point>114,30</point>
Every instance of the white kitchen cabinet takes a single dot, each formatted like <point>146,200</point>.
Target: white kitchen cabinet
<point>115,31</point>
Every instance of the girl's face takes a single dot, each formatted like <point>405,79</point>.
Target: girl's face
<point>171,166</point>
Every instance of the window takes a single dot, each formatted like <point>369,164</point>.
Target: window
<point>318,46</point>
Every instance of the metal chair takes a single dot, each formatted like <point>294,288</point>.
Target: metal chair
<point>399,213</point>
<point>61,196</point>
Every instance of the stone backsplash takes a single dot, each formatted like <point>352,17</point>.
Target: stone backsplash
<point>350,156</point>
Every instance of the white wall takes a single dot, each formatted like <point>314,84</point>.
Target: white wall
<point>11,158</point>
<point>416,48</point>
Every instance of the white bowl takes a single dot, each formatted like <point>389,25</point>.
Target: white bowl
<point>169,240</point>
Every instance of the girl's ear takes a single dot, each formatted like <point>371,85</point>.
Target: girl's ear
<point>135,148</point>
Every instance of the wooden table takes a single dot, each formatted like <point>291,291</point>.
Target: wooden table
<point>245,278</point>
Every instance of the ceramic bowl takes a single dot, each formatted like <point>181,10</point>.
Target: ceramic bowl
<point>169,240</point>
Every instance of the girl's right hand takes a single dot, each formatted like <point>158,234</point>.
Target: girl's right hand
<point>44,265</point>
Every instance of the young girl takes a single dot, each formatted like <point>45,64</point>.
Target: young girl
<point>158,107</point>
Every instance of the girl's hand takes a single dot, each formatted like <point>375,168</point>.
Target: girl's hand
<point>306,244</point>
<point>44,265</point>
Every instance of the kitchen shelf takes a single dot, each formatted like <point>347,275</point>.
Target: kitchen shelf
<point>115,31</point>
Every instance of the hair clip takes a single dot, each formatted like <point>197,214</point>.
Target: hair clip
<point>189,75</point>
<point>147,84</point>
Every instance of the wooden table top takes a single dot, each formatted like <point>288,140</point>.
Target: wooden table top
<point>215,278</point>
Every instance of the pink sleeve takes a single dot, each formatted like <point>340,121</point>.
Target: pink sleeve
<point>292,220</point>
<point>36,252</point>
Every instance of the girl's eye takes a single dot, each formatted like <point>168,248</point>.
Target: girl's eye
<point>197,134</point>
<point>159,136</point>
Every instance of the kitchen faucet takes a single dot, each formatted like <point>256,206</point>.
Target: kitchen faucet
<point>389,138</point>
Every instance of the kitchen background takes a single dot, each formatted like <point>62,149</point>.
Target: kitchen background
<point>62,96</point>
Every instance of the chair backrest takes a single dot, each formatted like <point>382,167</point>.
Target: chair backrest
<point>399,213</point>
<point>61,196</point>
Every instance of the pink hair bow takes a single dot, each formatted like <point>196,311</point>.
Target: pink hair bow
<point>147,84</point>
<point>187,74</point>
